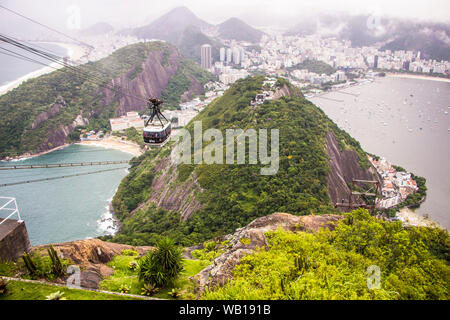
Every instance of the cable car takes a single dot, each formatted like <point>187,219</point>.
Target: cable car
<point>156,133</point>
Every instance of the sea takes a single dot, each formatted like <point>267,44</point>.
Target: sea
<point>407,121</point>
<point>12,68</point>
<point>71,208</point>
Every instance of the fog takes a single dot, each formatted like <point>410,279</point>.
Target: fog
<point>282,13</point>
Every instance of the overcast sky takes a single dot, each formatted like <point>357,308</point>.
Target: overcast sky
<point>121,13</point>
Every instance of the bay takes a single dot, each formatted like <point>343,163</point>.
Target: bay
<point>407,121</point>
<point>71,208</point>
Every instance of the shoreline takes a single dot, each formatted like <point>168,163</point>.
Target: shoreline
<point>411,218</point>
<point>108,143</point>
<point>74,52</point>
<point>416,76</point>
<point>26,156</point>
<point>114,143</point>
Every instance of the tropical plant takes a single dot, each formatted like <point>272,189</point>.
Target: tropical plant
<point>124,288</point>
<point>163,265</point>
<point>149,289</point>
<point>29,264</point>
<point>57,266</point>
<point>175,293</point>
<point>56,296</point>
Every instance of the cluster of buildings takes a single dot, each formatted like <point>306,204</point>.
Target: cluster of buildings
<point>397,185</point>
<point>278,55</point>
<point>131,119</point>
<point>91,135</point>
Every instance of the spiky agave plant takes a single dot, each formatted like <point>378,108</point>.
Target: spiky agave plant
<point>162,265</point>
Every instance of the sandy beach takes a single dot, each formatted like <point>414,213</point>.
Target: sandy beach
<point>115,143</point>
<point>416,76</point>
<point>74,52</point>
<point>409,217</point>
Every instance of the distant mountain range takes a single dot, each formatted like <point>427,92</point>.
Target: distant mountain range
<point>184,29</point>
<point>431,39</point>
<point>97,29</point>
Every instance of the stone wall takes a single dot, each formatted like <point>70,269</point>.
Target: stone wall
<point>14,240</point>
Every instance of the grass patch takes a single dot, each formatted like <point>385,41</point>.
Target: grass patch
<point>18,290</point>
<point>123,275</point>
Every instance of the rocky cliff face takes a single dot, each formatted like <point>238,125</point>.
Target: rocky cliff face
<point>91,256</point>
<point>344,167</point>
<point>169,194</point>
<point>157,70</point>
<point>222,267</point>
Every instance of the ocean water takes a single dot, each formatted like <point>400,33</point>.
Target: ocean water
<point>12,68</point>
<point>407,121</point>
<point>67,209</point>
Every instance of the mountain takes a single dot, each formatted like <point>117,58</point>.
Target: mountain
<point>432,39</point>
<point>193,203</point>
<point>188,33</point>
<point>98,29</point>
<point>236,29</point>
<point>170,26</point>
<point>43,112</point>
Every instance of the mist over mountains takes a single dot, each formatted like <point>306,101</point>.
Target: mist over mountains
<point>431,39</point>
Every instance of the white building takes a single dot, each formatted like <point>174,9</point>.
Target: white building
<point>132,119</point>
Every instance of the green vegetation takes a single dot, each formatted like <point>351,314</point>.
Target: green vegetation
<point>161,266</point>
<point>131,134</point>
<point>19,290</point>
<point>314,66</point>
<point>39,265</point>
<point>24,109</point>
<point>414,200</point>
<point>210,251</point>
<point>234,195</point>
<point>181,82</point>
<point>333,264</point>
<point>125,277</point>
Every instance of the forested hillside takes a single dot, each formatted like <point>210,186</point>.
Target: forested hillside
<point>400,263</point>
<point>192,203</point>
<point>41,113</point>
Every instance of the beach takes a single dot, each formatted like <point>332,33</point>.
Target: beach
<point>74,52</point>
<point>115,143</point>
<point>417,76</point>
<point>409,217</point>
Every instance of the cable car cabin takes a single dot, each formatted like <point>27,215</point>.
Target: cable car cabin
<point>157,134</point>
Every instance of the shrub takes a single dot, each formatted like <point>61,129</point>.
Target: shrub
<point>124,288</point>
<point>149,289</point>
<point>128,252</point>
<point>175,293</point>
<point>161,266</point>
<point>133,265</point>
<point>3,286</point>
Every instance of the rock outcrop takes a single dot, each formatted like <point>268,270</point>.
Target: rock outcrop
<point>344,167</point>
<point>44,116</point>
<point>170,194</point>
<point>222,267</point>
<point>91,256</point>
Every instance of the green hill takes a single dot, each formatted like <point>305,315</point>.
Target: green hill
<point>314,66</point>
<point>236,29</point>
<point>41,113</point>
<point>192,203</point>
